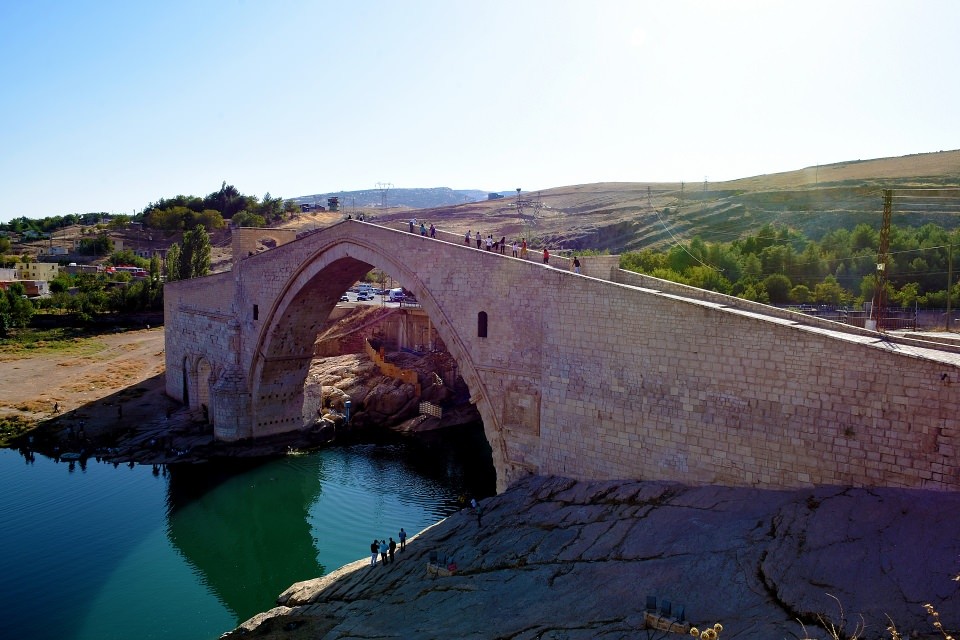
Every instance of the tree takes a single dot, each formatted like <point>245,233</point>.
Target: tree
<point>271,208</point>
<point>154,270</point>
<point>173,263</point>
<point>15,309</point>
<point>752,267</point>
<point>801,294</point>
<point>195,254</point>
<point>97,245</point>
<point>61,284</point>
<point>127,258</point>
<point>778,288</point>
<point>907,295</point>
<point>756,293</point>
<point>707,278</point>
<point>829,292</point>
<point>864,237</point>
<point>119,222</point>
<point>211,219</point>
<point>247,219</point>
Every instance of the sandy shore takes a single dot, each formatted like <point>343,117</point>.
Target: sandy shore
<point>97,391</point>
<point>96,380</point>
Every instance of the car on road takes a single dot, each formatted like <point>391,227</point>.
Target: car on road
<point>364,297</point>
<point>344,298</point>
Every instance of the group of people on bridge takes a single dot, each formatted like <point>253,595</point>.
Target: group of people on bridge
<point>432,231</point>
<point>518,249</point>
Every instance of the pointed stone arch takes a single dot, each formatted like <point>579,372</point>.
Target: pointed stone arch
<point>283,350</point>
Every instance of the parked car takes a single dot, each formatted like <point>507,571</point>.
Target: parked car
<point>363,297</point>
<point>344,298</point>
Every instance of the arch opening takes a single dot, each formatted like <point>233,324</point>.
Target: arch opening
<point>307,325</point>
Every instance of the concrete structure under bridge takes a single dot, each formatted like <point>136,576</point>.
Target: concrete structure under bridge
<point>608,374</point>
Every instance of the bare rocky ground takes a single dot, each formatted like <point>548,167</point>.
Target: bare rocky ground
<point>560,559</point>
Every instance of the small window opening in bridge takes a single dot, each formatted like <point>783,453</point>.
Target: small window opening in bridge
<point>482,324</point>
<point>256,312</point>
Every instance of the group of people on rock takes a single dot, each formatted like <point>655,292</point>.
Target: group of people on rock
<point>387,550</point>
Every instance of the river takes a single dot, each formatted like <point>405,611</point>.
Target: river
<point>97,551</point>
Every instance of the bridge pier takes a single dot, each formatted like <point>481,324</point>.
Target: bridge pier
<point>230,411</point>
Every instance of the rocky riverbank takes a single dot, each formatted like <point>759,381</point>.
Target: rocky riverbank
<point>141,425</point>
<point>555,558</point>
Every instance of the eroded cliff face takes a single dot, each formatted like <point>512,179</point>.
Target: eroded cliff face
<point>556,558</point>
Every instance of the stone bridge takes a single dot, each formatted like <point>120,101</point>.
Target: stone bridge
<point>605,374</point>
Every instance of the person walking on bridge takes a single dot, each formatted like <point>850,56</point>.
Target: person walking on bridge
<point>546,256</point>
<point>479,239</point>
<point>466,238</point>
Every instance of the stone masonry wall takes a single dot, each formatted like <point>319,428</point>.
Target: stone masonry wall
<point>655,387</point>
<point>197,317</point>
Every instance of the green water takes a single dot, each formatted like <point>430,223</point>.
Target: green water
<point>98,551</point>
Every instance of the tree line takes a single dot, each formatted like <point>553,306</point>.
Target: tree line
<point>779,265</point>
<point>179,213</point>
<point>186,212</point>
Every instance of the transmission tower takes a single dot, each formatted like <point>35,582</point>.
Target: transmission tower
<point>383,188</point>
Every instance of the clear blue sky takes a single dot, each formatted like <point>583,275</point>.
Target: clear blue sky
<point>108,105</point>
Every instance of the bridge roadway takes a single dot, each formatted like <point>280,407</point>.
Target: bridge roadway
<point>605,374</point>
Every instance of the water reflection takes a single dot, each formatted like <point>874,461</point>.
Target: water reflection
<point>251,529</point>
<point>246,533</point>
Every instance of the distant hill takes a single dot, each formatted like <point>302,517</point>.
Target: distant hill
<point>402,198</point>
<point>630,216</point>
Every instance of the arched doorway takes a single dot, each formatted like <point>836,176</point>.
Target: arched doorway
<point>204,372</point>
<point>186,382</point>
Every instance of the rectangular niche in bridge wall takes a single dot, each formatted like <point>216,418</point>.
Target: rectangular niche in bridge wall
<point>521,411</point>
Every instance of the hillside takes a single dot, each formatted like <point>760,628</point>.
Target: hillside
<point>621,217</point>
<point>630,216</point>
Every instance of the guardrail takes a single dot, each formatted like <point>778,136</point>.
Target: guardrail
<point>391,370</point>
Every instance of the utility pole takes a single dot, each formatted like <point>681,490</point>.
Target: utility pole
<point>882,257</point>
<point>949,280</point>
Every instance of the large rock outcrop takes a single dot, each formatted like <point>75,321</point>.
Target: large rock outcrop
<point>554,558</point>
